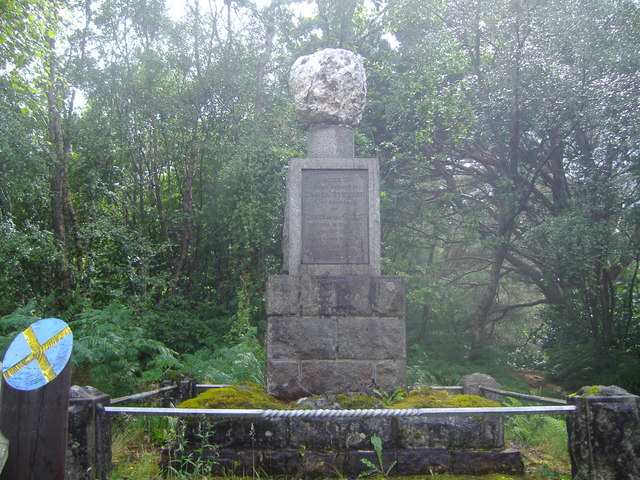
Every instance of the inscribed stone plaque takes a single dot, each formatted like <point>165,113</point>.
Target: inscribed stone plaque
<point>335,220</point>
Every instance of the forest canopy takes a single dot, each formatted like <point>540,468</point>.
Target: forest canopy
<point>143,156</point>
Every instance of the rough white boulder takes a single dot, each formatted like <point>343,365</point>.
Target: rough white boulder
<point>329,86</point>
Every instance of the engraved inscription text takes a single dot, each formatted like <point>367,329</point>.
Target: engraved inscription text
<point>335,220</point>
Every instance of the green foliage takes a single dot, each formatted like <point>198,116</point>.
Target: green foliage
<point>16,322</point>
<point>580,364</point>
<point>229,364</point>
<point>446,366</point>
<point>113,354</point>
<point>542,432</point>
<point>379,468</point>
<point>23,251</point>
<point>122,266</point>
<point>185,326</point>
<point>390,398</point>
<point>25,27</point>
<point>199,462</point>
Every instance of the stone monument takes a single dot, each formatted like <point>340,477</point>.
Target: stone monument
<point>335,325</point>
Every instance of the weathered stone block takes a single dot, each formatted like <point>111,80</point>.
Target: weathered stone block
<point>341,433</point>
<point>276,462</point>
<point>451,432</point>
<point>319,465</point>
<point>296,295</point>
<point>89,435</point>
<point>371,338</point>
<point>301,338</point>
<point>336,296</point>
<point>282,296</point>
<point>225,462</point>
<point>325,141</point>
<point>472,386</point>
<point>237,433</point>
<point>321,376</point>
<point>389,299</point>
<point>481,463</point>
<point>418,461</point>
<point>604,434</point>
<point>283,379</point>
<point>389,374</point>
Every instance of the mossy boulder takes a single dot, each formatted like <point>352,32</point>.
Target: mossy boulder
<point>241,395</point>
<point>600,391</point>
<point>426,397</point>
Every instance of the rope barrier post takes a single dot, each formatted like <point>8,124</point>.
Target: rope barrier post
<point>89,441</point>
<point>604,434</point>
<point>185,389</point>
<point>35,397</point>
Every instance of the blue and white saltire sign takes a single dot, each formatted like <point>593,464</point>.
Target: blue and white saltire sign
<point>38,355</point>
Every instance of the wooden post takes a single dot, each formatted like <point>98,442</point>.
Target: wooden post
<point>36,373</point>
<point>35,423</point>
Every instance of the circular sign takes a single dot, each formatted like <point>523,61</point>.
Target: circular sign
<point>38,355</point>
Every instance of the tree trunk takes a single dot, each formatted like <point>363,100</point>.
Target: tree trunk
<point>158,195</point>
<point>58,180</point>
<point>485,306</point>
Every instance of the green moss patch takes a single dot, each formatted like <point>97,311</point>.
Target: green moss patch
<point>471,401</point>
<point>358,401</point>
<point>241,395</point>
<point>426,397</point>
<point>251,395</point>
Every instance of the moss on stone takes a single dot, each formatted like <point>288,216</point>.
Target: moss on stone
<point>470,401</point>
<point>593,390</point>
<point>358,401</point>
<point>426,397</point>
<point>250,395</point>
<point>241,395</point>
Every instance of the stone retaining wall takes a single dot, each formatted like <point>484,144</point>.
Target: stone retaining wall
<point>319,448</point>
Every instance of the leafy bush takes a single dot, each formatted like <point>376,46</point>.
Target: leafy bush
<point>580,364</point>
<point>538,431</point>
<point>441,368</point>
<point>16,322</point>
<point>184,327</point>
<point>114,354</point>
<point>23,251</point>
<point>243,362</point>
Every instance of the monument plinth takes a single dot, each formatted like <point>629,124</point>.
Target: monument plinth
<point>334,323</point>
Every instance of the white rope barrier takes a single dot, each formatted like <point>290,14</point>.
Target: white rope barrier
<point>369,413</point>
